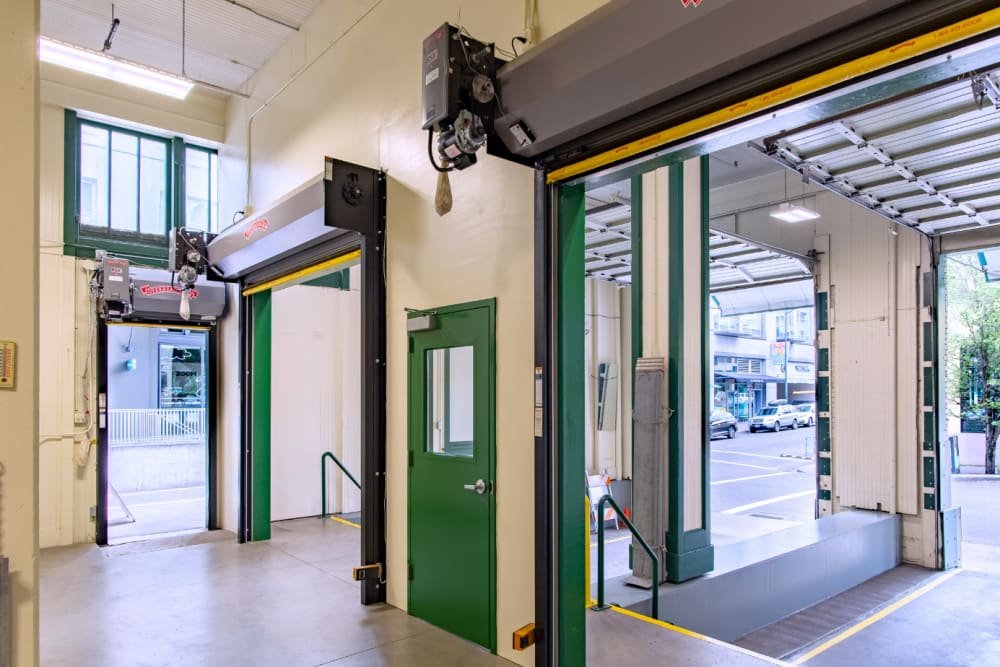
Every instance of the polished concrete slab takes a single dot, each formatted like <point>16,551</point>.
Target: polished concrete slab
<point>614,638</point>
<point>197,600</point>
<point>953,625</point>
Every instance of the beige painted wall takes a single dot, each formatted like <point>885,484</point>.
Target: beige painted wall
<point>19,321</point>
<point>360,101</point>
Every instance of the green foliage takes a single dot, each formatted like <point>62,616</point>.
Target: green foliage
<point>974,347</point>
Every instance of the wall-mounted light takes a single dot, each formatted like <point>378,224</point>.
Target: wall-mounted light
<point>97,64</point>
<point>787,212</point>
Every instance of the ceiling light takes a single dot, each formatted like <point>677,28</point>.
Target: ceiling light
<point>793,213</point>
<point>91,62</point>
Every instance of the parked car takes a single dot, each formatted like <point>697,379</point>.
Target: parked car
<point>722,422</point>
<point>774,419</point>
<point>806,414</point>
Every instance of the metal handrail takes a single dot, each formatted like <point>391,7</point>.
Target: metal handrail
<point>600,606</point>
<point>322,466</point>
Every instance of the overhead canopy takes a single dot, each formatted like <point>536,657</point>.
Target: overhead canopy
<point>734,262</point>
<point>780,296</point>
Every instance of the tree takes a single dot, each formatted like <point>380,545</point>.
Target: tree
<point>974,306</point>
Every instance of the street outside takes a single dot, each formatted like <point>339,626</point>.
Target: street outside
<point>761,483</point>
<point>979,498</point>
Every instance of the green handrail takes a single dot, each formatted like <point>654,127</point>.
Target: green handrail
<point>322,467</point>
<point>600,606</point>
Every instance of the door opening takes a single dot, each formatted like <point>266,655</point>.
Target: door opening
<point>158,417</point>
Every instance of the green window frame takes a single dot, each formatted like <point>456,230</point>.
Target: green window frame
<point>99,215</point>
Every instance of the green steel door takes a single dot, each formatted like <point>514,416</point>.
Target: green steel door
<point>451,492</point>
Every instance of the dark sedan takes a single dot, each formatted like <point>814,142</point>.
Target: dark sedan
<point>722,422</point>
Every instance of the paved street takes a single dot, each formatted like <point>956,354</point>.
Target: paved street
<point>979,498</point>
<point>761,482</point>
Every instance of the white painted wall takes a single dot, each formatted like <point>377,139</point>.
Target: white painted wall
<point>315,398</point>
<point>360,101</point>
<point>605,341</point>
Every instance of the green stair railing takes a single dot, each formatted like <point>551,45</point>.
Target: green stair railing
<point>322,466</point>
<point>601,606</point>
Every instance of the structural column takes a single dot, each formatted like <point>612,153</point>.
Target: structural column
<point>19,324</point>
<point>675,329</point>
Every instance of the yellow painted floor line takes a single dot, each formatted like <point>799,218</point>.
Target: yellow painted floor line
<point>874,618</point>
<point>345,522</point>
<point>617,539</point>
<point>698,635</point>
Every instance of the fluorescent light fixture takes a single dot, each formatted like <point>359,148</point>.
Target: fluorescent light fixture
<point>91,62</point>
<point>793,213</point>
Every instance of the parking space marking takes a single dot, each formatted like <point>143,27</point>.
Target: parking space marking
<point>743,465</point>
<point>746,479</point>
<point>769,501</point>
<point>759,456</point>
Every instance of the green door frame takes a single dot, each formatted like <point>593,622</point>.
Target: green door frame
<point>416,388</point>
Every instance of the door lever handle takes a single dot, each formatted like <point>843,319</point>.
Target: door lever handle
<point>479,487</point>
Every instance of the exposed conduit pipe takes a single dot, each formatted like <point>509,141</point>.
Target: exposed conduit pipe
<point>248,207</point>
<point>530,26</point>
<point>266,17</point>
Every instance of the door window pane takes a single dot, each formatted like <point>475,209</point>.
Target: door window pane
<point>450,416</point>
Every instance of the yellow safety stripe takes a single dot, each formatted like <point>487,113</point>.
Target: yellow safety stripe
<point>862,66</point>
<point>193,327</point>
<point>301,273</point>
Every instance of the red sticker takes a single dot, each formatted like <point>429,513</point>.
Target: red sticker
<point>150,290</point>
<point>690,3</point>
<point>259,223</point>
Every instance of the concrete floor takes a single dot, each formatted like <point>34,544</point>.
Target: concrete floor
<point>286,602</point>
<point>156,513</point>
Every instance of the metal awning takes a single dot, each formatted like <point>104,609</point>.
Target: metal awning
<point>781,296</point>
<point>928,159</point>
<point>734,261</point>
<point>748,377</point>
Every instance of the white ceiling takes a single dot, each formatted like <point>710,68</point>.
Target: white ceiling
<point>225,43</point>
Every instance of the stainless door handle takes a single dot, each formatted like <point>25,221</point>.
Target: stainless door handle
<point>479,487</point>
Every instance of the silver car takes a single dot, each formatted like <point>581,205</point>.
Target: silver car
<point>806,414</point>
<point>774,418</point>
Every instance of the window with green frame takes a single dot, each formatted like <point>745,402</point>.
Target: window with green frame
<point>125,190</point>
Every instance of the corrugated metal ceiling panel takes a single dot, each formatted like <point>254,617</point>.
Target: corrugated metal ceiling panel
<point>226,43</point>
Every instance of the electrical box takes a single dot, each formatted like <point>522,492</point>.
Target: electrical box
<point>115,280</point>
<point>451,62</point>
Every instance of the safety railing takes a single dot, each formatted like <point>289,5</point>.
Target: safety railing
<point>156,426</point>
<point>322,467</point>
<point>600,606</point>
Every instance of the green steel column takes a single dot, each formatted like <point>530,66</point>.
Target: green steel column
<point>689,552</point>
<point>260,379</point>
<point>571,487</point>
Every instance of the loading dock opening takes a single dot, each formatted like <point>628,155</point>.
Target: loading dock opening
<point>909,299</point>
